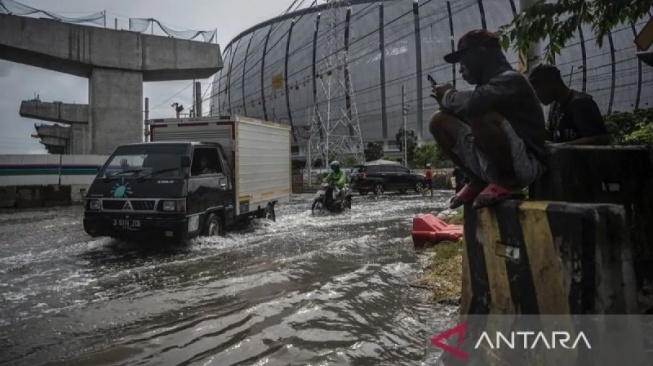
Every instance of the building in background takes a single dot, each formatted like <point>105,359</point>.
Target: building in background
<point>271,70</point>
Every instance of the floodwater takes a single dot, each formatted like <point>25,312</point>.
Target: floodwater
<point>304,290</point>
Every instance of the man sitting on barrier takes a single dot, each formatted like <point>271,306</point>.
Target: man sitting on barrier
<point>576,118</point>
<point>495,132</point>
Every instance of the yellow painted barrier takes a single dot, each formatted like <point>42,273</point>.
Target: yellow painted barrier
<point>547,258</point>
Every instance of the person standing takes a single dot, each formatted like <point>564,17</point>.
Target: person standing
<point>428,172</point>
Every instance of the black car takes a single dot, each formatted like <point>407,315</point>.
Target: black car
<point>380,178</point>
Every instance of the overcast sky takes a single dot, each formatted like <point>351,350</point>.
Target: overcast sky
<point>19,82</point>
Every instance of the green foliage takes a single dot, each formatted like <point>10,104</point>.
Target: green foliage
<point>411,142</point>
<point>631,128</point>
<point>430,153</point>
<point>349,161</point>
<point>373,151</point>
<point>558,21</point>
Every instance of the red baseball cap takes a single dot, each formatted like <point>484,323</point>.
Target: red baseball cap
<point>473,39</point>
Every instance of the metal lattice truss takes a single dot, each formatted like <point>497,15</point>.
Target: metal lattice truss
<point>335,130</point>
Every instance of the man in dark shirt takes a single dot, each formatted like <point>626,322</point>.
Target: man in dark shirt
<point>575,117</point>
<point>494,133</point>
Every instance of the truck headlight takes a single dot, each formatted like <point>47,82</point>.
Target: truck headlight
<point>169,206</point>
<point>95,205</point>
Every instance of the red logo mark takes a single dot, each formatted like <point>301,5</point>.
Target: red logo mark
<point>458,330</point>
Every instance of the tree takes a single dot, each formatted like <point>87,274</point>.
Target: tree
<point>373,151</point>
<point>559,20</point>
<point>430,153</point>
<point>631,128</point>
<point>411,141</point>
<point>349,161</point>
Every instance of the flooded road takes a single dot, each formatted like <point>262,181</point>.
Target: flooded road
<point>305,290</point>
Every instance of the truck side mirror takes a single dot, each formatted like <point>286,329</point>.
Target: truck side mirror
<point>185,161</point>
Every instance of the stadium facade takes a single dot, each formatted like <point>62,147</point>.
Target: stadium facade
<point>272,70</point>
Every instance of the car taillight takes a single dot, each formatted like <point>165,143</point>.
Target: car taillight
<point>362,175</point>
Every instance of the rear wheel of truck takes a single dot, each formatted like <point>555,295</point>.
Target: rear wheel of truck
<point>213,226</point>
<point>270,214</point>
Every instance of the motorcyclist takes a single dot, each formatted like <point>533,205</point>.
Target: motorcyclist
<point>338,177</point>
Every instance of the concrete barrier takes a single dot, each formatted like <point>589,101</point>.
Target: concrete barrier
<point>29,197</point>
<point>605,174</point>
<point>543,257</point>
<point>8,197</point>
<point>56,196</point>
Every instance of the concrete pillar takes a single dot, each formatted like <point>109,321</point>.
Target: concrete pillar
<point>116,103</point>
<point>79,139</point>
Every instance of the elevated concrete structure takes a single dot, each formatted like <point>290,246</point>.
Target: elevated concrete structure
<point>56,139</point>
<point>55,111</point>
<point>77,50</point>
<point>116,63</point>
<point>76,115</point>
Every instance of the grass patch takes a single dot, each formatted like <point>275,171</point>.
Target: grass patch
<point>443,273</point>
<point>458,219</point>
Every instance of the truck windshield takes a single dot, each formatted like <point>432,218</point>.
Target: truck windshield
<point>139,160</point>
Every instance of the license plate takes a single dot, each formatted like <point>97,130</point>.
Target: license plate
<point>127,224</point>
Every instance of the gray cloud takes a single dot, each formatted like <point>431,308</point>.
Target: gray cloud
<point>5,68</point>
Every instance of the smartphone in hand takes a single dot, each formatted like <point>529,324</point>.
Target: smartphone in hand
<point>431,80</point>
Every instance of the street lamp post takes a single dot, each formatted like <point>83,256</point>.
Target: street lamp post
<point>403,112</point>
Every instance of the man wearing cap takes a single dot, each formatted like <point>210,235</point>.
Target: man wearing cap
<point>495,132</point>
<point>577,119</point>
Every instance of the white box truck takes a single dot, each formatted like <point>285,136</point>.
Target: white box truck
<point>197,176</point>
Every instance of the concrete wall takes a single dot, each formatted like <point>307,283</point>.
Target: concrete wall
<point>76,49</point>
<point>117,100</point>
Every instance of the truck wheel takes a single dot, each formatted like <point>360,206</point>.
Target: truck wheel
<point>213,226</point>
<point>270,214</point>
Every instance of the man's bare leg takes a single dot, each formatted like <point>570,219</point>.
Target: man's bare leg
<point>493,142</point>
<point>445,129</point>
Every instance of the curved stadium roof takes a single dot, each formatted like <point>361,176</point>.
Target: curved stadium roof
<point>273,69</point>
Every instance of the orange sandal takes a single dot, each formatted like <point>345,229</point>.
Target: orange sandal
<point>493,194</point>
<point>465,195</point>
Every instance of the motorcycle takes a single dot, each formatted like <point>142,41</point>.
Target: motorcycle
<point>324,199</point>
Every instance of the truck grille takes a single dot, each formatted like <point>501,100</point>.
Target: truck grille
<point>145,205</point>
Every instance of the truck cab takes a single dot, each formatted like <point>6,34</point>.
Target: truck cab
<point>174,190</point>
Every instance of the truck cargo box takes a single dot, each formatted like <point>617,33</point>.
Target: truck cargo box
<point>259,150</point>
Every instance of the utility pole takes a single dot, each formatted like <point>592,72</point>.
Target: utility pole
<point>198,99</point>
<point>309,161</point>
<point>146,130</point>
<point>194,96</point>
<point>403,112</point>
